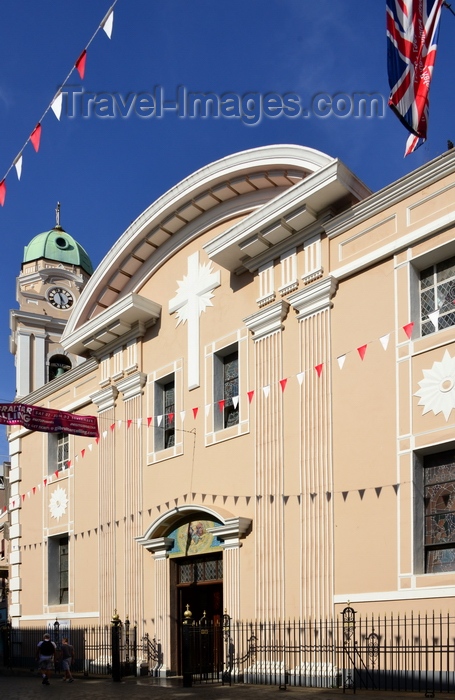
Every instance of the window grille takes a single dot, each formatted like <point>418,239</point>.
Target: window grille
<point>437,293</point>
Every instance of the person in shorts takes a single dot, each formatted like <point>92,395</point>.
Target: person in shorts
<point>67,659</point>
<point>45,655</point>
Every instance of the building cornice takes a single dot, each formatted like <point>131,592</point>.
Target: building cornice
<point>314,298</point>
<point>285,215</point>
<point>132,386</point>
<point>268,320</point>
<point>105,399</point>
<point>72,375</point>
<point>389,196</point>
<point>112,324</point>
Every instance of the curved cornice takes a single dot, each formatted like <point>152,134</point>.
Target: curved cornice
<point>166,521</point>
<point>271,168</point>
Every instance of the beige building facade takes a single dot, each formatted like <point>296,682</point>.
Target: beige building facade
<point>270,351</point>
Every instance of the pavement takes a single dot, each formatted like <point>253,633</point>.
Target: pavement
<point>28,687</point>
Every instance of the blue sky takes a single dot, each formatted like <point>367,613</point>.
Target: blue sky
<point>106,171</point>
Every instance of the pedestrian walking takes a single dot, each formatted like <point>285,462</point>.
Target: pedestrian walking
<point>67,659</point>
<point>45,655</point>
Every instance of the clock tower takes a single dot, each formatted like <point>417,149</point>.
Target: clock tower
<point>55,268</point>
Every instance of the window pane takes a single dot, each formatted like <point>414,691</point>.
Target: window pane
<point>186,573</point>
<point>426,277</point>
<point>445,270</point>
<point>437,293</point>
<point>441,560</point>
<point>231,388</point>
<point>62,450</point>
<point>439,505</point>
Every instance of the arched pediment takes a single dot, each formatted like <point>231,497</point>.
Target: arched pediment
<point>155,538</point>
<point>237,184</point>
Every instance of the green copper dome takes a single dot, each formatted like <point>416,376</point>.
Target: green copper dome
<point>57,245</point>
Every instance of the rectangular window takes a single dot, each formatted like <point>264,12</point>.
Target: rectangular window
<point>63,569</point>
<point>58,452</point>
<point>226,388</point>
<point>58,569</point>
<point>437,294</point>
<point>165,413</point>
<point>439,511</point>
<point>62,450</point>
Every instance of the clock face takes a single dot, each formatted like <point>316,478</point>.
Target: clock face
<point>60,298</point>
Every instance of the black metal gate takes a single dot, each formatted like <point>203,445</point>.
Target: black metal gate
<point>402,654</point>
<point>202,649</point>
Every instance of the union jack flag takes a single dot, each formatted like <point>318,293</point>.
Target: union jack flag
<point>412,31</point>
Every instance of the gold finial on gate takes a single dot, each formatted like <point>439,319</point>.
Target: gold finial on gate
<point>187,615</point>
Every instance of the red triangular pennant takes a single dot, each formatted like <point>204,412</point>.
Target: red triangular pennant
<point>82,454</point>
<point>2,192</point>
<point>97,440</point>
<point>283,383</point>
<point>149,421</point>
<point>80,64</point>
<point>35,137</point>
<point>56,473</point>
<point>221,405</point>
<point>408,329</point>
<point>170,417</point>
<point>318,369</point>
<point>195,410</point>
<point>23,497</point>
<point>68,464</point>
<point>250,395</point>
<point>129,422</point>
<point>112,426</point>
<point>362,350</point>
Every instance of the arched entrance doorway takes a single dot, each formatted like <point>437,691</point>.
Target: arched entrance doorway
<point>196,578</point>
<point>181,537</point>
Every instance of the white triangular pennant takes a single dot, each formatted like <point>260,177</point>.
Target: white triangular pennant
<point>18,166</point>
<point>300,377</point>
<point>90,446</point>
<point>266,390</point>
<point>139,422</point>
<point>341,360</point>
<point>104,434</point>
<point>119,424</point>
<point>207,410</point>
<point>385,340</point>
<point>158,420</point>
<point>235,401</point>
<point>434,319</point>
<point>182,416</point>
<point>57,105</point>
<point>107,23</point>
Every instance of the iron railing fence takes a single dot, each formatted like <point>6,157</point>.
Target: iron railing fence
<point>407,653</point>
<point>92,648</point>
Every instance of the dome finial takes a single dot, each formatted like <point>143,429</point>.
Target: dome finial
<point>57,216</point>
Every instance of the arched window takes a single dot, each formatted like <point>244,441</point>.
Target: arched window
<point>58,365</point>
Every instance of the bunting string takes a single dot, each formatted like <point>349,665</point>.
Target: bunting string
<point>56,102</point>
<point>210,499</point>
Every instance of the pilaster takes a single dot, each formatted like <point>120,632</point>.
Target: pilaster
<point>231,534</point>
<point>105,400</point>
<point>131,389</point>
<point>159,547</point>
<point>266,326</point>
<point>313,305</point>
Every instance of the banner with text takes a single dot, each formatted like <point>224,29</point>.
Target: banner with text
<point>47,420</point>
